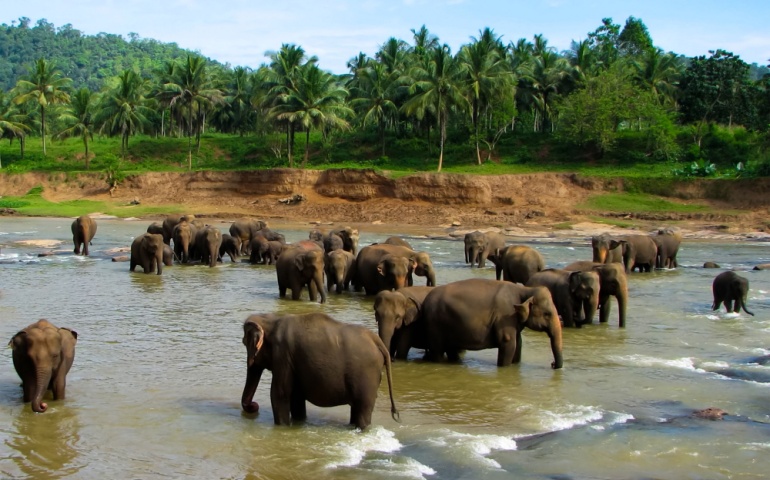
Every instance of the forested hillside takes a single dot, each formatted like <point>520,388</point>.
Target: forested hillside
<point>87,59</point>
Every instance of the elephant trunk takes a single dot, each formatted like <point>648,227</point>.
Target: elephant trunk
<point>467,254</point>
<point>43,377</point>
<point>252,382</point>
<point>474,256</point>
<point>622,301</point>
<point>213,254</point>
<point>399,281</point>
<point>386,334</point>
<point>600,255</point>
<point>159,261</point>
<point>554,333</point>
<point>319,283</point>
<point>590,305</point>
<point>431,274</point>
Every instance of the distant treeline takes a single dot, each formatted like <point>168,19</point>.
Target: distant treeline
<point>613,85</point>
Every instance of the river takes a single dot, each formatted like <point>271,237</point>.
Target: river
<point>159,371</point>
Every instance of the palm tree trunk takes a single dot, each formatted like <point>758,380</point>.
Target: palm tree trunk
<point>189,138</point>
<point>443,137</point>
<point>476,129</point>
<point>382,136</point>
<point>290,137</point>
<point>307,147</point>
<point>42,126</point>
<point>85,142</point>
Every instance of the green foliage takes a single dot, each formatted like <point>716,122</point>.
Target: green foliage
<point>637,203</point>
<point>699,168</point>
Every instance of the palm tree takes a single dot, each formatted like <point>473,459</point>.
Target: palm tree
<point>375,96</point>
<point>393,55</point>
<point>316,102</point>
<point>437,87</point>
<point>485,73</point>
<point>543,79</point>
<point>424,41</point>
<point>582,59</point>
<point>46,86</point>
<point>81,119</point>
<point>659,73</point>
<point>123,111</point>
<point>11,122</point>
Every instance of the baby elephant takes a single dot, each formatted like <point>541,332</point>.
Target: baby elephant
<point>728,287</point>
<point>42,355</point>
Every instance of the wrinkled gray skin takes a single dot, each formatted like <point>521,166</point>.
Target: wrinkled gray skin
<point>317,359</point>
<point>83,231</point>
<point>477,314</point>
<point>184,235</point>
<point>398,241</point>
<point>612,283</point>
<point>339,269</point>
<point>389,267</point>
<point>207,242</point>
<point>480,246</point>
<point>155,227</point>
<point>667,241</point>
<point>330,240</point>
<point>246,229</point>
<point>299,265</point>
<point>517,263</point>
<point>715,265</point>
<point>42,356</point>
<point>572,293</point>
<point>170,222</point>
<point>639,252</point>
<point>603,252</point>
<point>147,252</point>
<point>349,239</point>
<point>397,314</point>
<point>259,248</point>
<point>168,255</point>
<point>230,246</point>
<point>271,235</point>
<point>729,287</point>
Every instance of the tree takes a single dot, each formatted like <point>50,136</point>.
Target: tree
<point>542,79</point>
<point>122,110</point>
<point>317,101</point>
<point>634,40</point>
<point>437,87</point>
<point>375,95</point>
<point>424,41</point>
<point>11,122</point>
<point>659,73</point>
<point>604,42</point>
<point>45,86</point>
<point>80,119</point>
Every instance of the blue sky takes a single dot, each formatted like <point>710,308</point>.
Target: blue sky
<point>241,31</point>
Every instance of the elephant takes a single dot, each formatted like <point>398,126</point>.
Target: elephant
<point>42,356</point>
<point>349,239</point>
<point>572,292</point>
<point>168,255</point>
<point>258,250</point>
<point>517,263</point>
<point>728,287</point>
<point>639,251</point>
<point>330,240</point>
<point>207,243</point>
<point>397,314</point>
<point>714,265</point>
<point>184,236</point>
<point>314,358</point>
<point>246,229</point>
<point>398,241</point>
<point>170,222</point>
<point>479,246</point>
<point>603,252</point>
<point>271,235</point>
<point>301,264</point>
<point>339,269</point>
<point>478,313</point>
<point>385,267</point>
<point>147,252</point>
<point>612,282</point>
<point>83,231</point>
<point>668,241</point>
<point>155,227</point>
<point>230,246</point>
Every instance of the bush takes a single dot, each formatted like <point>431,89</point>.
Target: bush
<point>699,168</point>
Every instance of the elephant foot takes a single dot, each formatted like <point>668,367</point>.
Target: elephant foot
<point>252,407</point>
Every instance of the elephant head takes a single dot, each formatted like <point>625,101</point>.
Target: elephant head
<point>42,356</point>
<point>475,243</point>
<point>256,332</point>
<point>421,265</point>
<point>337,268</point>
<point>612,282</point>
<point>393,311</point>
<point>602,248</point>
<point>538,313</point>
<point>585,286</point>
<point>184,235</point>
<point>395,269</point>
<point>349,238</point>
<point>150,252</point>
<point>207,242</point>
<point>310,264</point>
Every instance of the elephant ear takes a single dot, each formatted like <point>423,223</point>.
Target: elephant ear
<point>574,281</point>
<point>73,332</point>
<point>299,262</point>
<point>413,262</point>
<point>616,243</point>
<point>381,268</point>
<point>522,310</point>
<point>412,313</point>
<point>18,341</point>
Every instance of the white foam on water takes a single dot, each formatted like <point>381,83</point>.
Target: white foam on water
<point>685,363</point>
<point>475,447</point>
<point>353,448</point>
<point>409,468</point>
<point>572,416</point>
<point>707,365</point>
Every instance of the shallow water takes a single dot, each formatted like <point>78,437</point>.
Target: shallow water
<point>160,367</point>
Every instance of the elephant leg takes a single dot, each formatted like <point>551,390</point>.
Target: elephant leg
<point>280,397</point>
<point>361,413</point>
<point>296,291</point>
<point>400,344</point>
<point>716,305</point>
<point>58,385</point>
<point>517,348</point>
<point>587,310</point>
<point>507,349</point>
<point>604,309</point>
<point>313,291</point>
<point>298,407</point>
<point>729,305</point>
<point>453,355</point>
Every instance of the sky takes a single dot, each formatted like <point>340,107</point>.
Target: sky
<point>240,32</point>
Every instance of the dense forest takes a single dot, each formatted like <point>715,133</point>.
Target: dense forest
<point>612,96</point>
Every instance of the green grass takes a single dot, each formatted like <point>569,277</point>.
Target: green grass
<point>612,221</point>
<point>637,203</point>
<point>34,204</point>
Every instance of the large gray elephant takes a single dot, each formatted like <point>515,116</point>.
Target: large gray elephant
<point>603,252</point>
<point>246,229</point>
<point>477,314</point>
<point>479,246</point>
<point>317,359</point>
<point>42,356</point>
<point>184,235</point>
<point>83,231</point>
<point>517,263</point>
<point>170,222</point>
<point>339,269</point>
<point>155,227</point>
<point>349,238</point>
<point>612,283</point>
<point>572,293</point>
<point>168,255</point>
<point>729,287</point>
<point>330,240</point>
<point>398,241</point>
<point>301,264</point>
<point>639,252</point>
<point>667,240</point>
<point>207,242</point>
<point>147,251</point>
<point>230,246</point>
<point>397,314</point>
<point>388,267</point>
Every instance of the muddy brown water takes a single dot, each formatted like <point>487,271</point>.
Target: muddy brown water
<point>156,385</point>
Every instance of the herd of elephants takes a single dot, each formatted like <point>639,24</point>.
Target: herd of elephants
<point>316,358</point>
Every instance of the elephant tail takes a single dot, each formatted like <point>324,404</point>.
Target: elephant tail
<point>386,355</point>
<point>746,310</point>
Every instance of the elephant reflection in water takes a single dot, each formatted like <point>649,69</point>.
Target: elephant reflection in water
<point>46,445</point>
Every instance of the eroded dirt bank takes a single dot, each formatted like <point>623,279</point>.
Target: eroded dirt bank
<point>365,196</point>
